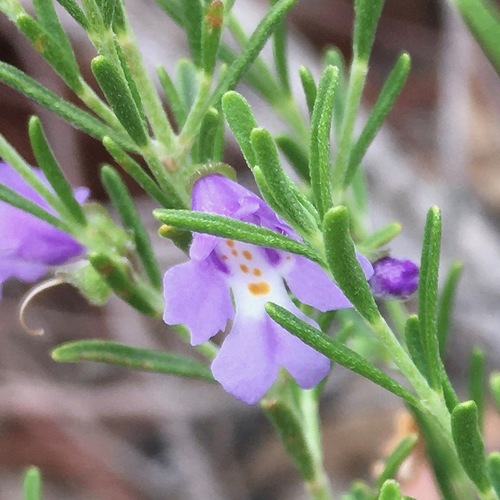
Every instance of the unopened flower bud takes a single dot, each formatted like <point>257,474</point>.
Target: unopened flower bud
<point>394,278</point>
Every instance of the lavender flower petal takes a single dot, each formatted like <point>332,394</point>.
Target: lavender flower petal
<point>197,295</point>
<point>246,365</point>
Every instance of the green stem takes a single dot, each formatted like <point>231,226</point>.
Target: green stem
<point>359,69</point>
<point>318,487</point>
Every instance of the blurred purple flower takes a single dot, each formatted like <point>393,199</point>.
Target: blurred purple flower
<point>28,245</point>
<point>394,278</point>
<point>230,280</point>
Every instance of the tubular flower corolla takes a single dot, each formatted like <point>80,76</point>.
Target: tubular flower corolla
<point>28,245</point>
<point>230,280</point>
<point>394,278</point>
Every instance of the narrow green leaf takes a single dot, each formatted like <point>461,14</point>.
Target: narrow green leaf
<point>212,28</point>
<point>445,305</point>
<point>135,358</point>
<point>241,121</point>
<point>187,83</point>
<point>80,119</point>
<point>309,87</point>
<point>173,97</point>
<point>107,8</point>
<point>174,9</point>
<point>383,105</point>
<point>495,389</point>
<point>206,139</point>
<point>390,491</point>
<point>252,49</point>
<point>291,433</point>
<point>414,344</point>
<point>483,20</point>
<point>334,57</point>
<point>280,186</point>
<point>122,201</point>
<point>52,170</point>
<point>493,463</point>
<point>344,265</point>
<point>32,485</point>
<point>477,379</point>
<point>192,23</point>
<point>75,12</point>
<point>366,16</point>
<point>224,227</point>
<point>295,154</point>
<point>427,294</point>
<point>53,52</point>
<point>136,172</point>
<point>319,146</point>
<point>118,275</point>
<point>336,351</point>
<point>120,98</point>
<point>280,53</point>
<point>469,444</point>
<point>380,237</point>
<point>394,461</point>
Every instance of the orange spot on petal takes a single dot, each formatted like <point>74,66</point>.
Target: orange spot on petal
<point>261,288</point>
<point>235,253</point>
<point>257,272</point>
<point>230,243</point>
<point>247,254</point>
<point>244,268</point>
<point>223,257</point>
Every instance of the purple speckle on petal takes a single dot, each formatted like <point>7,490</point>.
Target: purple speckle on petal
<point>394,278</point>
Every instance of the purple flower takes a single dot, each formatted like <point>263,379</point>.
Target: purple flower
<point>394,278</point>
<point>28,245</point>
<point>230,280</point>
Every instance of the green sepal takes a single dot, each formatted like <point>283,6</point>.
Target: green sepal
<point>135,358</point>
<point>309,87</point>
<point>291,432</point>
<point>280,185</point>
<point>469,444</point>
<point>55,53</point>
<point>241,121</point>
<point>319,146</point>
<point>87,280</point>
<point>336,351</point>
<point>483,20</point>
<point>80,119</point>
<point>173,98</point>
<point>366,16</point>
<point>493,463</point>
<point>427,295</point>
<point>341,258</point>
<point>477,379</point>
<point>116,272</point>
<point>297,155</point>
<point>383,105</point>
<point>390,490</point>
<point>122,201</point>
<point>495,389</point>
<point>32,484</point>
<point>225,227</point>
<point>212,28</point>
<point>394,461</point>
<point>445,304</point>
<point>52,170</point>
<point>120,98</point>
<point>192,24</point>
<point>74,10</point>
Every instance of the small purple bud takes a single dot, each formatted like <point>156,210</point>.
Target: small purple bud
<point>394,278</point>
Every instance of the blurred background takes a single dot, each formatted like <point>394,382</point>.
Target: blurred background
<point>104,433</point>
